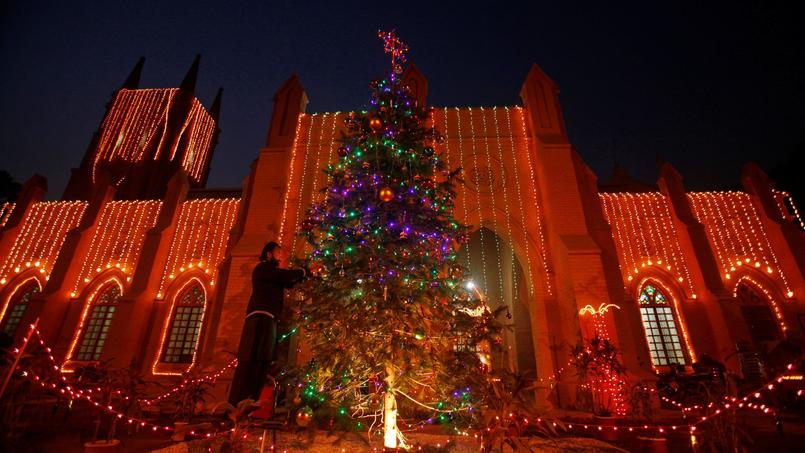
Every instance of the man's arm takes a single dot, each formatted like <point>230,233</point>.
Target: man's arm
<point>284,277</point>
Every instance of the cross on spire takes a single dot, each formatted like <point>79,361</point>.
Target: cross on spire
<point>396,48</point>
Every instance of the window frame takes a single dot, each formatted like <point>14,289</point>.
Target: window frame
<point>660,307</point>
<point>197,311</point>
<point>107,309</point>
<point>28,287</point>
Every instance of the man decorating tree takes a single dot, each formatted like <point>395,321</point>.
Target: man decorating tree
<point>270,279</point>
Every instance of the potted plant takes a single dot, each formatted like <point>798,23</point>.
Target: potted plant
<point>641,403</point>
<point>192,393</point>
<point>100,376</point>
<point>235,430</point>
<point>506,413</point>
<point>600,374</point>
<point>16,421</point>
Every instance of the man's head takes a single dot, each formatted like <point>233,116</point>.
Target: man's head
<point>273,252</point>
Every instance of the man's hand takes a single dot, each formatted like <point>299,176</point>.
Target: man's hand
<point>315,268</point>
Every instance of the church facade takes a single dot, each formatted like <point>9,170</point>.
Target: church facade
<point>141,264</point>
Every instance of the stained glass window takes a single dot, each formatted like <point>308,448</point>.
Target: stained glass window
<point>660,327</point>
<point>98,323</point>
<point>185,326</point>
<point>17,306</point>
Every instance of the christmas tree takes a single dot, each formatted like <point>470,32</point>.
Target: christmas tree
<point>390,316</point>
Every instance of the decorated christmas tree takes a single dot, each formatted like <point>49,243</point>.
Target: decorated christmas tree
<point>390,316</point>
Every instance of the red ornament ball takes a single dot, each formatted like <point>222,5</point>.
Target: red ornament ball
<point>386,194</point>
<point>342,151</point>
<point>375,124</point>
<point>304,416</point>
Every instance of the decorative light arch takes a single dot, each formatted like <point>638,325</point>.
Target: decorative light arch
<point>194,320</point>
<point>20,294</point>
<point>660,309</point>
<point>522,246</point>
<point>761,288</point>
<point>111,284</point>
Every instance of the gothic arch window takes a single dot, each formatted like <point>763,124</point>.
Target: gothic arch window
<point>660,326</point>
<point>99,320</point>
<point>757,313</point>
<point>17,305</point>
<point>185,325</point>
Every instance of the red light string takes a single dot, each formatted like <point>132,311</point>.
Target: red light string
<point>208,378</point>
<point>729,404</point>
<point>64,388</point>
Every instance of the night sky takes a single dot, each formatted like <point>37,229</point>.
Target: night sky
<point>704,87</point>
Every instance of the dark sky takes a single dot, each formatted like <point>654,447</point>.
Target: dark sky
<point>705,87</point>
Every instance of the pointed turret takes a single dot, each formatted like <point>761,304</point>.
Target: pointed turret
<point>189,81</point>
<point>215,110</point>
<point>215,113</point>
<point>289,102</point>
<point>659,160</point>
<point>133,80</point>
<point>541,98</point>
<point>416,83</point>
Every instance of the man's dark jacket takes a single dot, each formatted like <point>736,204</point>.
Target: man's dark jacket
<point>268,283</point>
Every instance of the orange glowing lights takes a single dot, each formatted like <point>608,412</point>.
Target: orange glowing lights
<point>386,194</point>
<point>645,236</point>
<point>5,212</point>
<point>316,137</point>
<point>137,124</point>
<point>736,233</point>
<point>199,241</point>
<point>118,238</point>
<point>41,236</point>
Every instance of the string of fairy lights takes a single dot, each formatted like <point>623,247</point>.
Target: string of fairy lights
<point>645,236</point>
<point>478,205</point>
<point>117,240</point>
<point>498,254</point>
<point>316,138</point>
<point>299,198</point>
<point>131,124</point>
<point>138,116</point>
<point>41,236</point>
<point>788,209</point>
<point>540,225</point>
<point>291,170</point>
<point>605,381</point>
<point>202,129</point>
<point>504,175</point>
<point>778,312</point>
<point>5,212</point>
<point>736,233</point>
<point>200,239</point>
<point>60,384</point>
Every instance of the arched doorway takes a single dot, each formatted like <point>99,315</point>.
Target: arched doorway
<point>496,271</point>
<point>758,315</point>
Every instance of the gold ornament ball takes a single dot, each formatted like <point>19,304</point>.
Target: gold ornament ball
<point>386,194</point>
<point>304,416</point>
<point>375,124</point>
